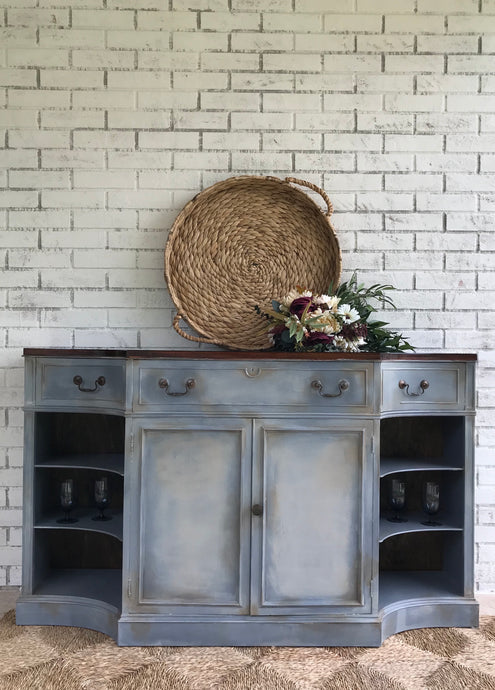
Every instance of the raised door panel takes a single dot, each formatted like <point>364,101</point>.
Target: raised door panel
<point>314,538</point>
<point>194,517</point>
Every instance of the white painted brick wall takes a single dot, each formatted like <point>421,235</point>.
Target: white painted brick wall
<point>114,113</point>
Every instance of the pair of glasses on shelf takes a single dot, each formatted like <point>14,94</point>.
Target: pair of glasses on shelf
<point>430,496</point>
<point>68,500</point>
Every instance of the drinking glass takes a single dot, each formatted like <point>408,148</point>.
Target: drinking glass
<point>67,500</point>
<point>431,502</point>
<point>397,499</point>
<point>102,498</point>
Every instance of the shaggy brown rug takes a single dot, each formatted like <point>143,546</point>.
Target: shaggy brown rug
<point>56,658</point>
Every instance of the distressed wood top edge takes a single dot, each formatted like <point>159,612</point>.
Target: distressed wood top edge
<point>242,355</point>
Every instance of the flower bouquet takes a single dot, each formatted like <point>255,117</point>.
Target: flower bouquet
<point>306,322</point>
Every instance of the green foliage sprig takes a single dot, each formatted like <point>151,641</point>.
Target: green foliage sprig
<point>379,338</point>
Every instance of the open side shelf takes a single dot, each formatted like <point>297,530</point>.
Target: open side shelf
<point>414,524</point>
<point>112,527</point>
<point>395,465</point>
<point>108,462</point>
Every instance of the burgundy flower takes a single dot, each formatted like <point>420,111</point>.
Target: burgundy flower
<point>279,328</point>
<point>354,330</point>
<point>317,338</point>
<point>299,305</point>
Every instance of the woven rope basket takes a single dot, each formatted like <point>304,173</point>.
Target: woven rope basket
<point>243,242</point>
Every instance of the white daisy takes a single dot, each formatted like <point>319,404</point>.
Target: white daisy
<point>348,313</point>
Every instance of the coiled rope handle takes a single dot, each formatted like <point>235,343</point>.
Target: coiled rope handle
<point>192,338</point>
<point>321,192</point>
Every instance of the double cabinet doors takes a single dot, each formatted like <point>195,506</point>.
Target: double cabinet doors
<point>230,515</point>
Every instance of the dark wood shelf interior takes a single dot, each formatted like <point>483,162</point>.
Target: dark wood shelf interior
<point>398,587</point>
<point>92,583</point>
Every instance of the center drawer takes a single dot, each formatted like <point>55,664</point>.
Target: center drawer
<point>259,383</point>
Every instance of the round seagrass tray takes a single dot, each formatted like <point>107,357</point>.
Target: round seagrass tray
<point>243,242</point>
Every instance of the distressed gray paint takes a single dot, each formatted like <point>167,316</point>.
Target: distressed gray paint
<point>198,566</point>
<point>193,512</point>
<point>446,391</point>
<point>312,479</point>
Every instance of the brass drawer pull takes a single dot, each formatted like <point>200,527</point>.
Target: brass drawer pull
<point>343,386</point>
<point>252,372</point>
<point>78,381</point>
<point>163,383</point>
<point>257,510</point>
<point>405,386</point>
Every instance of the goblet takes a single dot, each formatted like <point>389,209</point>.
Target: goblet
<point>431,502</point>
<point>67,500</point>
<point>102,498</point>
<point>397,499</point>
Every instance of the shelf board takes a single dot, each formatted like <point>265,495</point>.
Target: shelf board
<point>413,524</point>
<point>85,522</point>
<point>101,584</point>
<point>393,465</point>
<point>108,462</point>
<point>399,586</point>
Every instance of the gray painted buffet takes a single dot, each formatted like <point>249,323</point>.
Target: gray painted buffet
<point>248,495</point>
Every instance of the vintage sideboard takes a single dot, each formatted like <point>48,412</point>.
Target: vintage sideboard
<point>248,495</point>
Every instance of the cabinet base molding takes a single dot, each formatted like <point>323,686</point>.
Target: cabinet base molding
<point>127,631</point>
<point>250,634</point>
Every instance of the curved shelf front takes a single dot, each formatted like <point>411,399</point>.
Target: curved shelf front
<point>396,465</point>
<point>107,462</point>
<point>84,522</point>
<point>414,524</point>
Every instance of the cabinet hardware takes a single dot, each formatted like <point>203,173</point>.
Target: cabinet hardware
<point>252,372</point>
<point>343,385</point>
<point>257,510</point>
<point>163,383</point>
<point>405,386</point>
<point>78,381</point>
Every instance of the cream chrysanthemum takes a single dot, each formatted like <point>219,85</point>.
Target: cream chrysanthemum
<point>294,294</point>
<point>330,301</point>
<point>327,323</point>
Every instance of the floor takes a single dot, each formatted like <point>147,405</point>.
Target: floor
<point>8,597</point>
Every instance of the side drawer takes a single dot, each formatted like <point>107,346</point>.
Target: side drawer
<point>418,386</point>
<point>80,382</point>
<point>252,384</point>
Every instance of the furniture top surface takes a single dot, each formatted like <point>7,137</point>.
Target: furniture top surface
<point>243,355</point>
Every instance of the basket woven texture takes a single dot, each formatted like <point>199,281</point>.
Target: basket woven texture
<point>243,242</point>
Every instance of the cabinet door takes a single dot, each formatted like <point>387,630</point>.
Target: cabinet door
<point>189,517</point>
<point>312,544</point>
